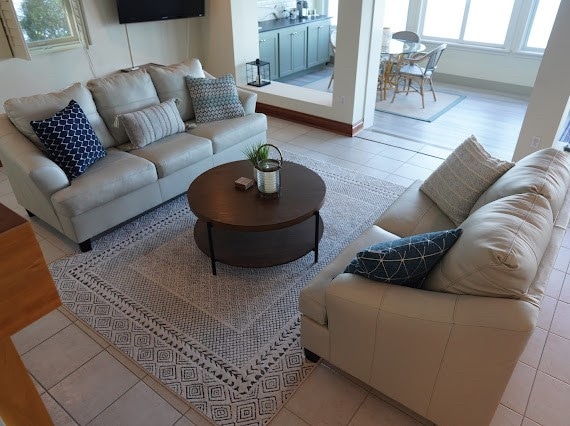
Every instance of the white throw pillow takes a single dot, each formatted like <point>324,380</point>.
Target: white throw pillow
<point>456,185</point>
<point>152,123</point>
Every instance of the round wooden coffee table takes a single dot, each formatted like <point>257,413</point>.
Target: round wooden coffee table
<point>240,228</point>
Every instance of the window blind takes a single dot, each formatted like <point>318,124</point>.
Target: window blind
<point>13,31</point>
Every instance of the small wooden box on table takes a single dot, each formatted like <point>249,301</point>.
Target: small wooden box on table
<point>27,292</point>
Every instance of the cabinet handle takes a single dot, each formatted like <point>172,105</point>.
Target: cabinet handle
<point>295,32</point>
<point>262,41</point>
<point>322,26</point>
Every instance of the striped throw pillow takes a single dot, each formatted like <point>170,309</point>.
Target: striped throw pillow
<point>152,123</point>
<point>456,185</point>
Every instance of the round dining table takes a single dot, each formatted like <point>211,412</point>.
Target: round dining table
<point>396,51</point>
<point>399,47</point>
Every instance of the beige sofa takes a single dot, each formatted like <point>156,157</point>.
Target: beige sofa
<point>447,351</point>
<point>124,183</point>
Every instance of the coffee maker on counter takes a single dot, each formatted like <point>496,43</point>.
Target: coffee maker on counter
<point>303,8</point>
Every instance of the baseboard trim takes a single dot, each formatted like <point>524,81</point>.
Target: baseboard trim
<point>478,83</point>
<point>344,129</point>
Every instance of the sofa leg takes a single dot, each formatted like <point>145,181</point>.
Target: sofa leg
<point>311,356</point>
<point>30,213</point>
<point>85,246</point>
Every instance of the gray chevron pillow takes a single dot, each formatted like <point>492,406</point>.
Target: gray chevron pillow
<point>214,98</point>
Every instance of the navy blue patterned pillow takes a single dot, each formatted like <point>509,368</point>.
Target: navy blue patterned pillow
<point>405,261</point>
<point>70,140</point>
<point>214,98</point>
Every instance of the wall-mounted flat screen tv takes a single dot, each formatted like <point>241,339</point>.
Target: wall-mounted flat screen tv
<point>158,10</point>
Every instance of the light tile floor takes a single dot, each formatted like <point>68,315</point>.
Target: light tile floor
<point>83,380</point>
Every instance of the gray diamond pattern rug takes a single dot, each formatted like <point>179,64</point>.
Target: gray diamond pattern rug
<point>228,344</point>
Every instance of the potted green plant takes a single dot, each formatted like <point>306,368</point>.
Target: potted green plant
<point>256,152</point>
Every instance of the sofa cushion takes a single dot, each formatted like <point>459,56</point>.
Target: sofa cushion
<point>170,83</point>
<point>70,140</point>
<point>405,261</point>
<point>152,123</point>
<point>460,180</point>
<point>175,152</point>
<point>214,99</point>
<point>117,174</point>
<point>121,93</point>
<point>21,111</point>
<point>545,172</point>
<point>227,133</point>
<point>499,250</point>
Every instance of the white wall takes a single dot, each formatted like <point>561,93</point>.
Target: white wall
<point>548,102</point>
<point>230,37</point>
<point>162,42</point>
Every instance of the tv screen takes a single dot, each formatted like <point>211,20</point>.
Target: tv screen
<point>155,10</point>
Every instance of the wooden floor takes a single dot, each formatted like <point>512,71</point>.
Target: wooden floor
<point>494,118</point>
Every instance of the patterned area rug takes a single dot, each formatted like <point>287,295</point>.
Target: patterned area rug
<point>228,344</point>
<point>410,106</point>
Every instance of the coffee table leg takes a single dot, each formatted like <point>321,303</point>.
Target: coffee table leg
<point>316,237</point>
<point>210,242</point>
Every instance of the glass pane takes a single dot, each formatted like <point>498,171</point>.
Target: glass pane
<point>396,14</point>
<point>488,21</point>
<point>443,18</point>
<point>332,11</point>
<point>43,20</point>
<point>542,23</point>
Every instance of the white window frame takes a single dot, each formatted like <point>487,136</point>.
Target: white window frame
<point>511,28</point>
<point>21,49</point>
<point>528,27</point>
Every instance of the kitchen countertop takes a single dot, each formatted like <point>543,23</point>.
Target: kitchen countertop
<point>276,24</point>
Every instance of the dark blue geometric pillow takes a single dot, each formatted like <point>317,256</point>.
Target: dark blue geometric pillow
<point>405,261</point>
<point>70,140</point>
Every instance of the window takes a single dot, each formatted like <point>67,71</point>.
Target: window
<point>46,22</point>
<point>396,14</point>
<point>332,11</point>
<point>540,24</point>
<point>42,24</point>
<point>468,21</point>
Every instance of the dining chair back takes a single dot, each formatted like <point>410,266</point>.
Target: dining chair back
<point>413,72</point>
<point>332,42</point>
<point>407,36</point>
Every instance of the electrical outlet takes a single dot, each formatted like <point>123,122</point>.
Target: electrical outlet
<point>342,99</point>
<point>535,142</point>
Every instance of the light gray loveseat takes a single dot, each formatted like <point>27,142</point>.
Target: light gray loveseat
<point>124,183</point>
<point>447,351</point>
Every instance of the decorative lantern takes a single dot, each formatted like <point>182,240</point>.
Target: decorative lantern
<point>268,175</point>
<point>258,73</point>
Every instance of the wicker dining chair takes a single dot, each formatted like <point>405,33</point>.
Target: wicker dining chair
<point>407,36</point>
<point>332,42</point>
<point>413,72</point>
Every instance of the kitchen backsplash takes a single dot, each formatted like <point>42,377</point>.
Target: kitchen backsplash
<point>271,9</point>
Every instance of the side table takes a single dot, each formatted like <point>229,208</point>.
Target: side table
<point>27,292</point>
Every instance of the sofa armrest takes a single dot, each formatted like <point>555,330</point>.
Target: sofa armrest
<point>449,346</point>
<point>26,164</point>
<point>413,213</point>
<point>248,100</point>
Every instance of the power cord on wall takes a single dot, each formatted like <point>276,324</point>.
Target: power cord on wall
<point>132,68</point>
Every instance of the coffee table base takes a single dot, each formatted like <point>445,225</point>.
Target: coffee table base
<point>259,249</point>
